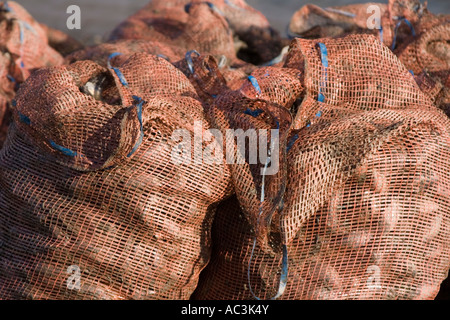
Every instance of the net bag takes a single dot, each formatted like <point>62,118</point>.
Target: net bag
<point>24,47</point>
<point>201,28</point>
<point>97,208</point>
<point>393,23</point>
<point>101,52</point>
<point>425,52</point>
<point>176,22</point>
<point>364,213</point>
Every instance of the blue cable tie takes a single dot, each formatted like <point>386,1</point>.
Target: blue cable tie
<point>139,115</point>
<point>119,73</point>
<point>188,58</point>
<point>254,113</point>
<point>255,84</point>
<point>381,34</point>
<point>24,119</point>
<point>344,13</point>
<point>63,150</point>
<point>291,142</point>
<point>408,23</point>
<point>323,54</point>
<point>324,59</point>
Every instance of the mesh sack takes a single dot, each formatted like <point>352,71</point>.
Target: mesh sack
<point>204,30</point>
<point>372,79</point>
<point>364,213</point>
<point>24,39</point>
<point>101,52</point>
<point>427,48</point>
<point>437,86</point>
<point>397,22</point>
<point>261,103</point>
<point>164,21</point>
<point>312,21</point>
<point>7,92</point>
<point>24,47</point>
<point>96,194</point>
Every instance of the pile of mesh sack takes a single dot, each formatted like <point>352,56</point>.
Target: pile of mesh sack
<point>194,156</point>
<point>418,37</point>
<point>359,209</point>
<point>89,156</point>
<point>25,45</point>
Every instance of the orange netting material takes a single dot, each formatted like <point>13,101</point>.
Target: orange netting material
<point>418,37</point>
<point>365,210</point>
<point>24,47</point>
<point>216,27</point>
<point>139,228</point>
<point>359,205</point>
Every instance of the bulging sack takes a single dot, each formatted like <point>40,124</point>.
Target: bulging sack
<point>24,47</point>
<point>364,213</point>
<point>96,208</point>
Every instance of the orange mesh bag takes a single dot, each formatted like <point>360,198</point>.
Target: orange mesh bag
<point>170,21</point>
<point>7,91</point>
<point>437,86</point>
<point>397,20</point>
<point>365,212</point>
<point>24,47</point>
<point>426,47</point>
<point>425,51</point>
<point>96,196</point>
<point>261,103</point>
<point>312,21</point>
<point>204,30</point>
<point>24,39</point>
<point>100,53</point>
<point>372,79</point>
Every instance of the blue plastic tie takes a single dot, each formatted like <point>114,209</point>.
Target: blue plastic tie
<point>324,59</point>
<point>320,97</point>
<point>116,70</point>
<point>215,8</point>
<point>63,150</point>
<point>344,13</point>
<point>291,142</point>
<point>24,119</point>
<point>381,34</point>
<point>255,84</point>
<point>408,23</point>
<point>163,56</point>
<point>7,7</point>
<point>412,72</point>
<point>139,115</point>
<point>22,35</point>
<point>323,54</point>
<point>188,58</point>
<point>233,5</point>
<point>254,113</point>
<point>11,78</point>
